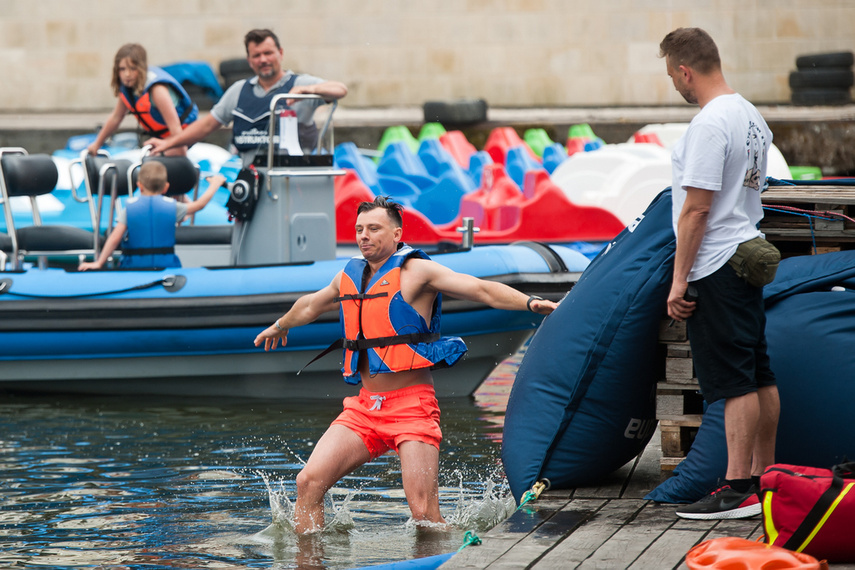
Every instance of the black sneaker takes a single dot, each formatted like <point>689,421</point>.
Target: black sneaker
<point>723,503</point>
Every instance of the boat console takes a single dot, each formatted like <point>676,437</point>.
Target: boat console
<point>294,217</point>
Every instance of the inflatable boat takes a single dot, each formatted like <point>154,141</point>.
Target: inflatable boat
<point>190,330</point>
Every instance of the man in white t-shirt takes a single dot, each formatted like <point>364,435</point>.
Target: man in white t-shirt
<point>719,168</point>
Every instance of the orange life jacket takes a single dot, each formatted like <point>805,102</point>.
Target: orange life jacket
<point>386,329</point>
<point>149,117</point>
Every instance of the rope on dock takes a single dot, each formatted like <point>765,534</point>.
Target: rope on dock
<point>534,493</point>
<point>470,538</point>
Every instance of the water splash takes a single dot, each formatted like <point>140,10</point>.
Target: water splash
<point>481,511</point>
<point>282,508</point>
<point>465,508</point>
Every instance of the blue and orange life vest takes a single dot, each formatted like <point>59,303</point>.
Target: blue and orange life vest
<point>377,321</point>
<point>149,117</point>
<point>150,241</point>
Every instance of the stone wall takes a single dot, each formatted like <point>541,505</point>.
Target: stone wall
<point>57,54</point>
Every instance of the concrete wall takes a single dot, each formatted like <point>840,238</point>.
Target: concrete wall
<point>57,54</point>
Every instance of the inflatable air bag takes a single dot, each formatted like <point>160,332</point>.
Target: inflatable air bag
<point>583,403</point>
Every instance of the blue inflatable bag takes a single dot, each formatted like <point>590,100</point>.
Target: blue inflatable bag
<point>583,402</point>
<point>704,465</point>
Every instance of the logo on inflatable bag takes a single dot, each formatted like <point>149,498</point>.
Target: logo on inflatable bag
<point>639,429</point>
<point>631,227</point>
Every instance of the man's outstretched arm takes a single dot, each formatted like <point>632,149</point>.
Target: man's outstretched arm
<point>497,295</point>
<point>305,310</point>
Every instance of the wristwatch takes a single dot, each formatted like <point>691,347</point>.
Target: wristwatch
<point>530,299</point>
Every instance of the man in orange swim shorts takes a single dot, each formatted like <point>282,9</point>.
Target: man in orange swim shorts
<point>391,289</point>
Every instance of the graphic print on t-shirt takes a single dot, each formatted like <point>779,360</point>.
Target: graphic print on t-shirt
<point>755,148</point>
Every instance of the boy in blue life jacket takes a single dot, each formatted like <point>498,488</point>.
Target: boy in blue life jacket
<point>149,220</point>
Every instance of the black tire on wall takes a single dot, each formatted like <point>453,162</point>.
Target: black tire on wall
<point>199,96</point>
<point>461,112</point>
<point>233,70</point>
<point>821,96</point>
<point>831,59</point>
<point>822,77</point>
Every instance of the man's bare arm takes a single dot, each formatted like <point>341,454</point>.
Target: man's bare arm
<point>197,131</point>
<point>497,295</point>
<point>305,310</point>
<point>329,90</point>
<point>691,226</point>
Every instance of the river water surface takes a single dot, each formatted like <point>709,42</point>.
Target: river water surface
<point>148,482</point>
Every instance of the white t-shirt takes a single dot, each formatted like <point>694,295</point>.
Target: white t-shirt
<point>724,150</point>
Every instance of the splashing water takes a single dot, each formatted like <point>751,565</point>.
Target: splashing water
<point>469,509</point>
<point>206,483</point>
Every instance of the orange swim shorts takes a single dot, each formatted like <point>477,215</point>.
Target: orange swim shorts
<point>384,420</point>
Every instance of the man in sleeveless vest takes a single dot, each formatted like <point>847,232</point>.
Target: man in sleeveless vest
<point>719,168</point>
<point>246,103</point>
<point>389,300</point>
<point>145,228</point>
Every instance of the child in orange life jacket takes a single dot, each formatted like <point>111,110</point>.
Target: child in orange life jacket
<point>155,98</point>
<point>149,220</point>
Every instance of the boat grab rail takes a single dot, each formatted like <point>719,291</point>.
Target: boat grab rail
<point>7,204</point>
<point>114,196</point>
<point>79,162</point>
<point>272,129</point>
<point>136,165</point>
<point>171,283</point>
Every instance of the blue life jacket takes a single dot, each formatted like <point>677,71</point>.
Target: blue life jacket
<point>252,116</point>
<point>150,118</point>
<point>376,321</point>
<point>150,241</point>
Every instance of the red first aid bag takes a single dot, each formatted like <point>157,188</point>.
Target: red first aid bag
<point>810,510</point>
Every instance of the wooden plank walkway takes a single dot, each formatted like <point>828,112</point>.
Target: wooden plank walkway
<point>609,526</point>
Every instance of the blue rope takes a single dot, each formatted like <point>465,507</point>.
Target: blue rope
<point>809,219</point>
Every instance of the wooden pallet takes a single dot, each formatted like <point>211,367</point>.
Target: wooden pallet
<point>801,235</point>
<point>679,405</point>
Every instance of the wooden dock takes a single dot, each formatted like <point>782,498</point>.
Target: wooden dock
<point>609,527</point>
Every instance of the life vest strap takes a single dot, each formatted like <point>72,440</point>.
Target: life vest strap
<point>148,250</point>
<point>365,343</point>
<point>359,296</point>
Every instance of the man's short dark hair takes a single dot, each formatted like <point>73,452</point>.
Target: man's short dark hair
<point>259,35</point>
<point>692,47</point>
<point>393,209</point>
